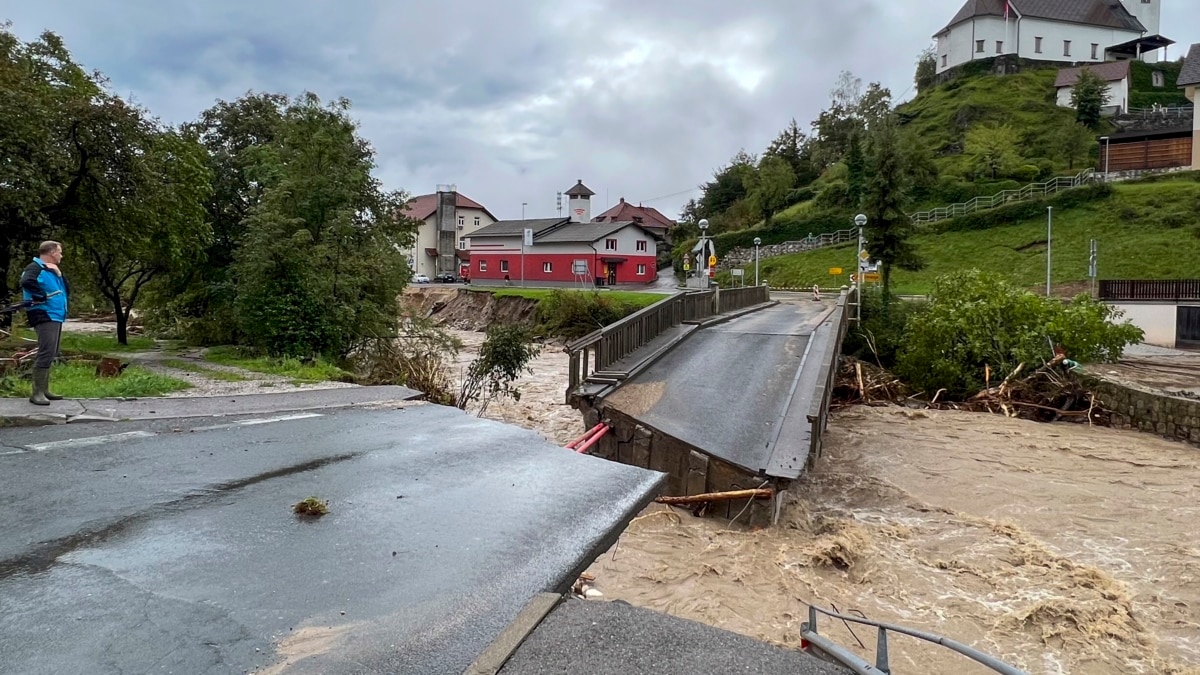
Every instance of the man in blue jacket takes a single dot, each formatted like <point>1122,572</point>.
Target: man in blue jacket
<point>45,288</point>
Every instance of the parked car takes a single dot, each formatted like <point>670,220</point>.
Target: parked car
<point>420,279</point>
<point>446,278</point>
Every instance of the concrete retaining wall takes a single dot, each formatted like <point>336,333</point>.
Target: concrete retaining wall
<point>1173,417</point>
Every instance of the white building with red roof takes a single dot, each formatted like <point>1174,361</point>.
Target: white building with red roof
<point>448,218</point>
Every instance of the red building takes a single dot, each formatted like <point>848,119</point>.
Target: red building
<point>647,216</point>
<point>563,253</point>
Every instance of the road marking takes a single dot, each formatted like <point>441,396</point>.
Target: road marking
<point>263,420</point>
<point>84,442</point>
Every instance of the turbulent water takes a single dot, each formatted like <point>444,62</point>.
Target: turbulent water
<point>1060,548</point>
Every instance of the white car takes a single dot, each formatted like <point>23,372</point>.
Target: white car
<point>420,279</point>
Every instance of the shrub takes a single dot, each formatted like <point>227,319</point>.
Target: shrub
<point>834,194</point>
<point>503,357</point>
<point>882,332</point>
<point>978,320</point>
<point>573,314</point>
<point>1027,173</point>
<point>418,357</point>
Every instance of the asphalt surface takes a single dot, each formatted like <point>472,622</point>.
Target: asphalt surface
<point>587,637</point>
<point>172,547</point>
<point>727,386</point>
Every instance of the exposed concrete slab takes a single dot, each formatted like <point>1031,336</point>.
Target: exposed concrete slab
<point>20,412</point>
<point>587,637</point>
<point>725,390</point>
<point>178,552</point>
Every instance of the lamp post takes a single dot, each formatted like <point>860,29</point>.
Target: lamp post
<point>1106,145</point>
<point>702,263</point>
<point>1049,232</point>
<point>861,221</point>
<point>523,205</point>
<point>757,243</point>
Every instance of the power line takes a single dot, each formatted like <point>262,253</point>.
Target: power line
<point>673,194</point>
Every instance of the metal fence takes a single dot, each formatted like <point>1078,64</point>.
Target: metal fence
<point>814,642</point>
<point>833,329</point>
<point>1135,289</point>
<point>1031,191</point>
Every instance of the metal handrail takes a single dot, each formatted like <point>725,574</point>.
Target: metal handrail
<point>808,633</point>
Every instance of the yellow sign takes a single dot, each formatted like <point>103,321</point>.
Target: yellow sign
<point>871,276</point>
<point>864,255</point>
<point>835,271</point>
<point>687,267</point>
<point>712,261</point>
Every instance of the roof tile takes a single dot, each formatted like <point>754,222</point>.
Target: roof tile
<point>1190,73</point>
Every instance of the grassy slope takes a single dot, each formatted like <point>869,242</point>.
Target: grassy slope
<point>1144,231</point>
<point>628,297</point>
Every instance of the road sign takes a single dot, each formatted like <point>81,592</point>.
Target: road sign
<point>529,236</point>
<point>687,267</point>
<point>871,276</point>
<point>712,261</point>
<point>737,272</point>
<point>835,271</point>
<point>864,256</point>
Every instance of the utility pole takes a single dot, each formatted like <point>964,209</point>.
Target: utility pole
<point>1049,242</point>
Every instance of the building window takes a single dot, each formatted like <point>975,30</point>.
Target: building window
<point>1037,45</point>
<point>482,265</point>
<point>1159,80</point>
<point>1066,47</point>
<point>641,245</point>
<point>1095,51</point>
<point>641,270</point>
<point>999,46</point>
<point>610,244</point>
<point>462,220</point>
<point>464,244</point>
<point>943,60</point>
<point>476,221</point>
<point>547,267</point>
<point>503,265</point>
<point>979,46</point>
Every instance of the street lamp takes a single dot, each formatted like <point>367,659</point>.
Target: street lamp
<point>757,243</point>
<point>702,263</point>
<point>861,221</point>
<point>523,205</point>
<point>1105,139</point>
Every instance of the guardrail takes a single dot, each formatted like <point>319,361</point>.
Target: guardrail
<point>812,641</point>
<point>1137,289</point>
<point>818,412</point>
<point>1031,191</point>
<point>596,351</point>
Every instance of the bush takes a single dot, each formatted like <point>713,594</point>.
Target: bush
<point>882,332</point>
<point>835,194</point>
<point>573,314</point>
<point>503,357</point>
<point>978,320</point>
<point>418,358</point>
<point>1026,174</point>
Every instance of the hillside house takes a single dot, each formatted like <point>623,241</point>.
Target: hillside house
<point>1115,73</point>
<point>647,216</point>
<point>448,218</point>
<point>1189,82</point>
<point>1067,31</point>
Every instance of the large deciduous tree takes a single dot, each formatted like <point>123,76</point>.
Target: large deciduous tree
<point>769,186</point>
<point>993,149</point>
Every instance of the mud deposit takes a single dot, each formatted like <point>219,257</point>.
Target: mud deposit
<point>1060,548</point>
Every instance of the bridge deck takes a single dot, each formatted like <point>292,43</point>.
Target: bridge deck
<point>728,390</point>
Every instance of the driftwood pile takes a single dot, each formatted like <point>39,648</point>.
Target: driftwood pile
<point>1049,393</point>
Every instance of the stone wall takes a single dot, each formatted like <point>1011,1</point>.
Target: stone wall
<point>1173,417</point>
<point>744,257</point>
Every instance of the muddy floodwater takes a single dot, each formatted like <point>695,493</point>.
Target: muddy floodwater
<point>1060,548</point>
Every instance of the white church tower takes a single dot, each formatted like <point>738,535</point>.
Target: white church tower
<point>1149,12</point>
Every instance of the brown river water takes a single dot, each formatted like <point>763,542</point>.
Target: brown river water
<point>1059,548</point>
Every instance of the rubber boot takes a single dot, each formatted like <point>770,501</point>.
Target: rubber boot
<point>38,397</point>
<point>46,390</point>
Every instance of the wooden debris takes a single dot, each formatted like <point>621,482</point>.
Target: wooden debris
<point>764,493</point>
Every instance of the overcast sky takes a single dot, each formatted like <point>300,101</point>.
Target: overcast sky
<point>513,100</point>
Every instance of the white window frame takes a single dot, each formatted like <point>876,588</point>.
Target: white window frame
<point>476,221</point>
<point>462,220</point>
<point>547,267</point>
<point>641,245</point>
<point>504,266</point>
<point>610,244</point>
<point>482,265</point>
<point>641,270</point>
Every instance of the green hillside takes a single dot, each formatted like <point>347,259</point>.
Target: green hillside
<point>1147,230</point>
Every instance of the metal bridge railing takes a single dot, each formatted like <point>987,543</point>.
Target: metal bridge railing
<point>823,646</point>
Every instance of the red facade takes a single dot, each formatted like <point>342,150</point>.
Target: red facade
<point>489,266</point>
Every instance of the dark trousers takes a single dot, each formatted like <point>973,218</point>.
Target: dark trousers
<point>48,334</point>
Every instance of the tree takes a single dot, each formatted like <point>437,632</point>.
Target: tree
<point>42,168</point>
<point>320,268</point>
<point>793,146</point>
<point>888,227</point>
<point>993,148</point>
<point>730,184</point>
<point>919,164</point>
<point>1089,96</point>
<point>851,111</point>
<point>856,166</point>
<point>503,357</point>
<point>926,75</point>
<point>769,186</point>
<point>1074,142</point>
<point>143,208</point>
<point>976,321</point>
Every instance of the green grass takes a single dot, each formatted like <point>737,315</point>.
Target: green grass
<point>1144,231</point>
<point>211,373</point>
<point>91,343</point>
<point>942,115</point>
<point>634,298</point>
<point>78,380</point>
<point>294,369</point>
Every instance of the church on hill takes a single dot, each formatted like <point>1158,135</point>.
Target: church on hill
<point>1069,31</point>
